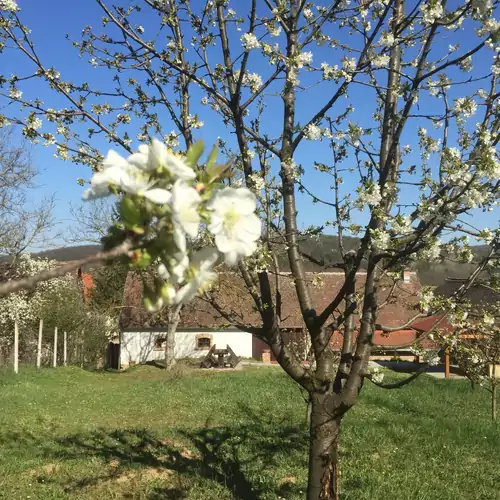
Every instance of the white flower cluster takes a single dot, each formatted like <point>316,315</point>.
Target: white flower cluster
<point>249,41</point>
<point>368,195</point>
<point>8,5</point>
<point>308,13</point>
<point>426,299</point>
<point>193,121</point>
<point>386,39</point>
<point>380,239</point>
<point>15,93</point>
<point>350,64</point>
<point>431,11</point>
<point>23,306</point>
<point>303,59</point>
<point>483,7</point>
<point>312,132</point>
<point>465,106</point>
<point>156,175</point>
<point>380,61</point>
<point>401,225</point>
<point>258,182</point>
<point>251,80</point>
<point>329,72</point>
<point>431,252</point>
<point>431,358</point>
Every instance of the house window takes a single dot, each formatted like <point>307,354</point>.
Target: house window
<point>160,343</point>
<point>203,342</point>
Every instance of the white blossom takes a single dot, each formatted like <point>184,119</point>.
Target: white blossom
<point>249,41</point>
<point>157,156</point>
<point>465,106</point>
<point>426,298</point>
<point>304,59</point>
<point>380,61</point>
<point>203,275</point>
<point>185,202</point>
<point>194,122</point>
<point>175,273</point>
<point>8,5</point>
<point>488,319</point>
<point>431,358</point>
<point>233,223</point>
<point>431,11</point>
<point>386,39</point>
<point>15,93</point>
<point>401,225</point>
<point>329,72</point>
<point>482,6</point>
<point>368,195</point>
<point>350,64</point>
<point>33,123</point>
<point>312,132</point>
<point>258,181</point>
<point>432,252</point>
<point>466,64</point>
<point>308,13</point>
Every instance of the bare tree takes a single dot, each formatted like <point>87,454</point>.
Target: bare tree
<point>22,225</point>
<point>90,221</point>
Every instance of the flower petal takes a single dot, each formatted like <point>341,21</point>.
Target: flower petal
<point>158,195</point>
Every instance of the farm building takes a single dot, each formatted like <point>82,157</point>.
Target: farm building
<point>143,334</point>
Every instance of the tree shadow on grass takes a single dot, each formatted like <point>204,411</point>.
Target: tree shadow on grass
<point>242,458</point>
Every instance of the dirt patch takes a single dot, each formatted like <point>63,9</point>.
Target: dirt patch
<point>45,470</point>
<point>141,475</point>
<point>288,480</point>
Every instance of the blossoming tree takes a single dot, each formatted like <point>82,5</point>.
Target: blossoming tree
<point>278,75</point>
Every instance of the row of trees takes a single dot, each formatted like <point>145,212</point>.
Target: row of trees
<point>384,113</point>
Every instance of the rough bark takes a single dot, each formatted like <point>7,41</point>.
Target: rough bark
<point>173,321</point>
<point>323,449</point>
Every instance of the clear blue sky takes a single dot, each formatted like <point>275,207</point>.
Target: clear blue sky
<point>50,21</point>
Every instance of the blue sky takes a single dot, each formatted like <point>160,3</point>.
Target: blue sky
<point>50,21</point>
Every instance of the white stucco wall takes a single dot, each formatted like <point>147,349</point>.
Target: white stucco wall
<point>139,346</point>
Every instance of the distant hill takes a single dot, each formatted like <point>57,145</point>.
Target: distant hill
<point>324,251</point>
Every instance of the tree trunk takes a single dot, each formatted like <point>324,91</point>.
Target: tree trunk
<point>170,348</point>
<point>174,317</point>
<point>323,450</point>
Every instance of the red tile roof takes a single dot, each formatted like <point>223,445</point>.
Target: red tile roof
<point>231,295</point>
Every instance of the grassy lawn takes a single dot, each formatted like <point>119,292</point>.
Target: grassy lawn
<point>70,434</point>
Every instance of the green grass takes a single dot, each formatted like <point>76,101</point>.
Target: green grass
<point>71,434</point>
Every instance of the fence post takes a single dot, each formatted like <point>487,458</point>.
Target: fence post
<point>39,348</point>
<point>65,352</point>
<point>55,347</point>
<point>16,348</point>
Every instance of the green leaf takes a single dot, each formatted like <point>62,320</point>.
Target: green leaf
<point>212,158</point>
<point>218,172</point>
<point>194,153</point>
<point>142,260</point>
<point>130,212</point>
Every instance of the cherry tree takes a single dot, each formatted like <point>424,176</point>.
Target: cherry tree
<point>384,113</point>
<point>474,339</point>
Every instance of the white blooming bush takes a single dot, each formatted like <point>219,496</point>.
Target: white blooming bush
<point>23,306</point>
<point>167,200</point>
